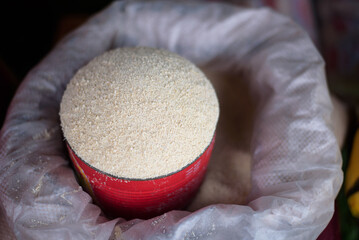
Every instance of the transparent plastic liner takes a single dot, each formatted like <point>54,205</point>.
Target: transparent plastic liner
<point>296,163</point>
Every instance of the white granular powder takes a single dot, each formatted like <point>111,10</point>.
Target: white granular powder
<point>139,112</point>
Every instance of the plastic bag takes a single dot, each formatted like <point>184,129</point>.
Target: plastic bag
<point>296,162</point>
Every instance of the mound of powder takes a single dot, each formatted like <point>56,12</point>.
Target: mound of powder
<point>139,112</point>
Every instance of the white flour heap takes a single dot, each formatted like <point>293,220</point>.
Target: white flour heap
<point>139,112</point>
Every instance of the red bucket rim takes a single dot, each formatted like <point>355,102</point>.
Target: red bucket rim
<point>142,179</point>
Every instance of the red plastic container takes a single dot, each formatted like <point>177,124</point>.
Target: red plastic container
<point>132,198</point>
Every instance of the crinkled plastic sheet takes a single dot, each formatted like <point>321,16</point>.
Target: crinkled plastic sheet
<point>295,158</point>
